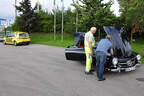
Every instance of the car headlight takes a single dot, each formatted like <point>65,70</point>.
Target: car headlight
<point>138,57</point>
<point>115,61</point>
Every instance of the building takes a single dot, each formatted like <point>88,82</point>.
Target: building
<point>3,22</point>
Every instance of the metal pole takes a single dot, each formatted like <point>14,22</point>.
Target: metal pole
<point>44,6</point>
<point>5,30</point>
<point>15,9</point>
<point>62,20</point>
<point>76,18</point>
<point>38,5</point>
<point>10,25</point>
<point>77,22</point>
<point>54,21</point>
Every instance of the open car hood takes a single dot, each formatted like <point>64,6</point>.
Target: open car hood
<point>120,45</point>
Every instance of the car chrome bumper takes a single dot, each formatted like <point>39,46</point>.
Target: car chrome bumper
<point>125,69</point>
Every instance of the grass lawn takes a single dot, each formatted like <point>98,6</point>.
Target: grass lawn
<point>138,47</point>
<point>47,39</point>
<point>1,36</point>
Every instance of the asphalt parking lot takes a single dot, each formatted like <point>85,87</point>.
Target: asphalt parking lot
<point>39,70</point>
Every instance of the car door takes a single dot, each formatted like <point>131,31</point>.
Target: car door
<point>8,38</point>
<point>12,37</point>
<point>76,52</point>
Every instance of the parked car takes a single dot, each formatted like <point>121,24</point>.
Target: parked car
<point>124,58</point>
<point>17,38</point>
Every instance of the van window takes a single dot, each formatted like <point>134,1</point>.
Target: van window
<point>13,34</point>
<point>24,35</point>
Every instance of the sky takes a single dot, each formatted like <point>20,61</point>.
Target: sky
<point>7,9</point>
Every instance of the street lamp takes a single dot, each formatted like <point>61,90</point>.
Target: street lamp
<point>62,20</point>
<point>38,5</point>
<point>76,19</point>
<point>54,20</point>
<point>15,9</point>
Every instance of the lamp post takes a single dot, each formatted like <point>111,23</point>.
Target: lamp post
<point>76,19</point>
<point>15,9</point>
<point>38,5</point>
<point>62,20</point>
<point>54,21</point>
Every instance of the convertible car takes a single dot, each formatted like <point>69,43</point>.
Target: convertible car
<point>124,58</point>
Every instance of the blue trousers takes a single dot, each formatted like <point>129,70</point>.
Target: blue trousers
<point>100,61</point>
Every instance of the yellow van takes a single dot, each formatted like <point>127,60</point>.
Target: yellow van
<point>17,38</point>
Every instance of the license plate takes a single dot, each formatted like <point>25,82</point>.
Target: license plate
<point>130,69</point>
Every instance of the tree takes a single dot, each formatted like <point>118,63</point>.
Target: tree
<point>29,18</point>
<point>94,13</point>
<point>132,15</point>
<point>46,22</point>
<point>69,21</point>
<point>15,26</point>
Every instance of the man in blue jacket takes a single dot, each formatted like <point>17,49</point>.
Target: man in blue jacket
<point>101,54</point>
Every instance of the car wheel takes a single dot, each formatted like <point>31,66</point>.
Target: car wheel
<point>28,43</point>
<point>15,43</point>
<point>4,42</point>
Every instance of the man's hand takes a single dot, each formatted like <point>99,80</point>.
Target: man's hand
<point>91,48</point>
<point>112,52</point>
<point>91,53</point>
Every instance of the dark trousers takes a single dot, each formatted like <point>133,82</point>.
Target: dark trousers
<point>100,61</point>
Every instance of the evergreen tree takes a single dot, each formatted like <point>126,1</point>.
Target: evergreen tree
<point>94,13</point>
<point>29,17</point>
<point>132,15</point>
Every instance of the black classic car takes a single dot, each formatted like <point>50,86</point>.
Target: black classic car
<point>124,58</point>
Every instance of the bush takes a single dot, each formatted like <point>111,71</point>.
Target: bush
<point>142,53</point>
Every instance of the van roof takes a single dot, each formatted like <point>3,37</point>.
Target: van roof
<point>18,32</point>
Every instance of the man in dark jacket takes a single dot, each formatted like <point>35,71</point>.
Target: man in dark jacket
<point>101,54</point>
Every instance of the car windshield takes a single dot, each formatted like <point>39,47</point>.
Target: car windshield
<point>24,35</point>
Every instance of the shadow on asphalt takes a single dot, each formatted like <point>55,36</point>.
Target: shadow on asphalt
<point>109,73</point>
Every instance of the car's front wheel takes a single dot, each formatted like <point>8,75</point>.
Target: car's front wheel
<point>4,42</point>
<point>15,43</point>
<point>28,43</point>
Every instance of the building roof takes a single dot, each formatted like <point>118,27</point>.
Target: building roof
<point>2,19</point>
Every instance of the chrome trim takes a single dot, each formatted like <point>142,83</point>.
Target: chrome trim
<point>74,48</point>
<point>75,52</point>
<point>120,69</point>
<point>128,60</point>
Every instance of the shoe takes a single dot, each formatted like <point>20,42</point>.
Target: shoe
<point>92,70</point>
<point>89,73</point>
<point>102,79</point>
